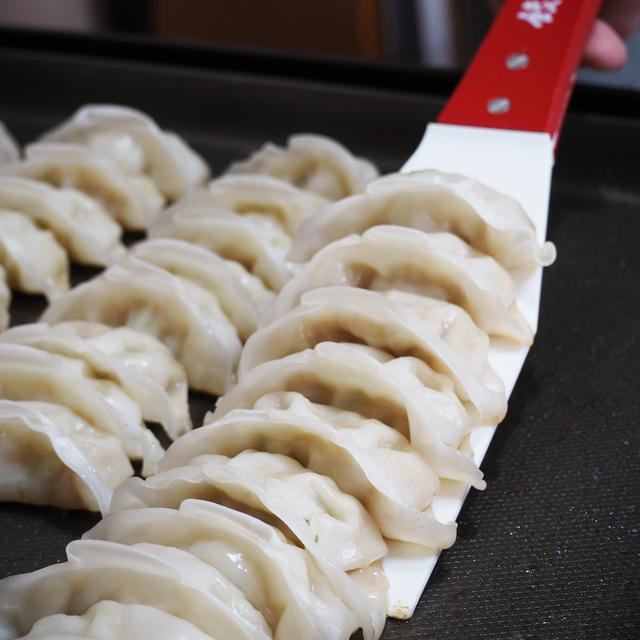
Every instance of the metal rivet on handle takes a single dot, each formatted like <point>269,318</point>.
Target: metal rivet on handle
<point>499,105</point>
<point>517,61</point>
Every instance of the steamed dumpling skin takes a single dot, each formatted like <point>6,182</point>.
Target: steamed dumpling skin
<point>260,195</point>
<point>33,260</point>
<point>347,314</point>
<point>51,456</point>
<point>437,265</point>
<point>367,459</point>
<point>306,506</point>
<point>109,620</point>
<point>489,221</point>
<point>182,315</point>
<point>79,223</point>
<point>208,270</point>
<point>259,243</point>
<point>141,365</point>
<point>136,143</point>
<point>297,596</point>
<point>314,163</point>
<point>133,201</point>
<point>28,374</point>
<point>169,579</point>
<point>403,393</point>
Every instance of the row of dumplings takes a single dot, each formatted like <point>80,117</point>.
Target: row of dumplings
<point>366,327</point>
<point>111,168</point>
<point>202,301</point>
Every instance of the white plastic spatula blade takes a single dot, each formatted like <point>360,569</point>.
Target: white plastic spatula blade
<point>519,165</point>
<point>500,127</point>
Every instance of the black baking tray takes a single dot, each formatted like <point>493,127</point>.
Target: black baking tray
<point>550,549</point>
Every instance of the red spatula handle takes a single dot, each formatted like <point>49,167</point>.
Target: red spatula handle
<point>524,72</point>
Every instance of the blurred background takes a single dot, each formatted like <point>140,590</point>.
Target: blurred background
<point>440,34</point>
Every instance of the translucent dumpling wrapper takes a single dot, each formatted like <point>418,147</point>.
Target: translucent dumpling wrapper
<point>136,143</point>
<point>5,299</point>
<point>109,620</point>
<point>437,265</point>
<point>33,260</point>
<point>141,365</point>
<point>169,579</point>
<point>133,201</point>
<point>490,222</point>
<point>185,317</point>
<point>297,596</point>
<point>209,271</point>
<point>9,149</point>
<point>366,459</point>
<point>257,243</point>
<point>261,195</point>
<point>79,223</point>
<point>403,393</point>
<point>307,507</point>
<point>30,374</point>
<point>51,456</point>
<point>347,314</point>
<point>451,323</point>
<point>313,163</point>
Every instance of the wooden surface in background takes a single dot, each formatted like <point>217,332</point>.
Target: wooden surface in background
<point>338,27</point>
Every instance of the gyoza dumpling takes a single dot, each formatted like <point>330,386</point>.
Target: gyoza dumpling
<point>208,270</point>
<point>5,299</point>
<point>158,384</point>
<point>259,195</point>
<point>347,314</point>
<point>132,200</point>
<point>30,374</point>
<point>182,315</point>
<point>109,620</point>
<point>262,296</point>
<point>306,506</point>
<point>366,459</point>
<point>403,393</point>
<point>449,321</point>
<point>437,265</point>
<point>259,245</point>
<point>51,456</point>
<point>313,163</point>
<point>136,143</point>
<point>32,259</point>
<point>489,221</point>
<point>169,579</point>
<point>291,590</point>
<point>9,150</point>
<point>79,223</point>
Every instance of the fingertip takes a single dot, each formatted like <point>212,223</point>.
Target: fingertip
<point>605,49</point>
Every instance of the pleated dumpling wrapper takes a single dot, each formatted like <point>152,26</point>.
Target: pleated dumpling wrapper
<point>79,223</point>
<point>139,363</point>
<point>136,143</point>
<point>313,163</point>
<point>132,200</point>
<point>170,579</point>
<point>51,456</point>
<point>185,317</point>
<point>109,620</point>
<point>438,265</point>
<point>295,592</point>
<point>429,200</point>
<point>32,259</point>
<point>306,506</point>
